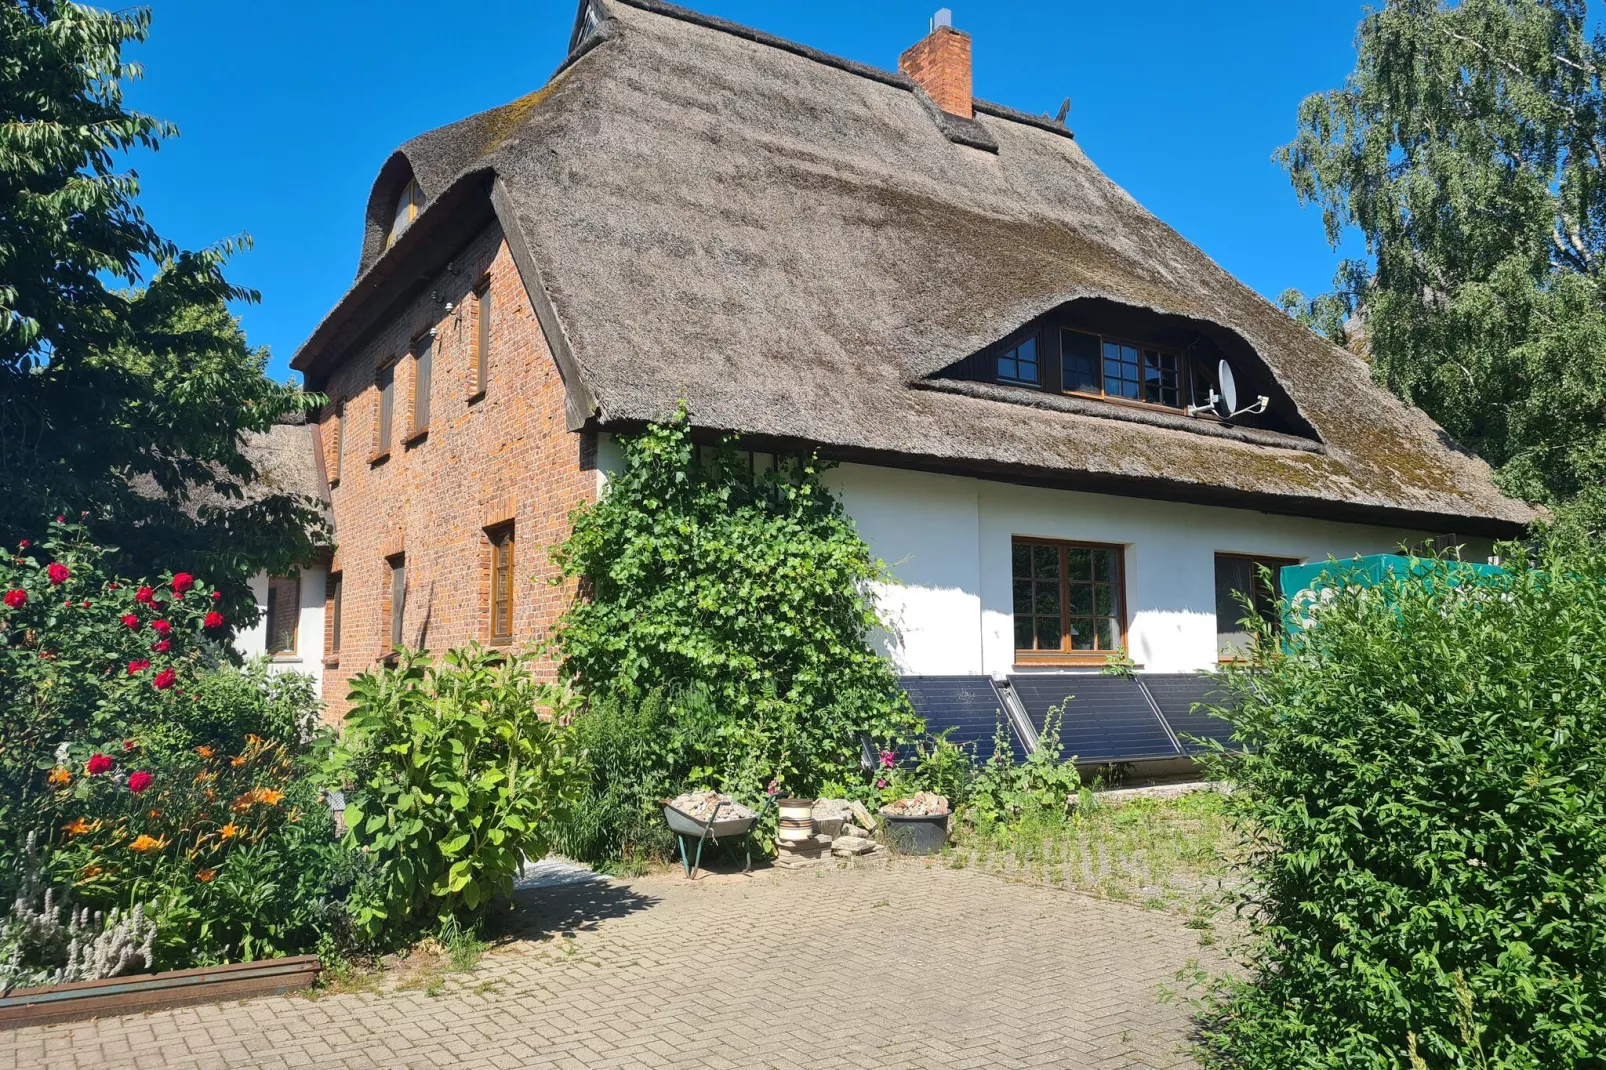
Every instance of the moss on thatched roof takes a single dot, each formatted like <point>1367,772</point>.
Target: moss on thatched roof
<point>789,244</point>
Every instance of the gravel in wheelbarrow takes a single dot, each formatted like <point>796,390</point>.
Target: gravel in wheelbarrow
<point>704,816</point>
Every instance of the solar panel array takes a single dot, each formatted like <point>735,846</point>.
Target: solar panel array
<point>1146,717</point>
<point>966,704</point>
<point>1106,718</point>
<point>1180,698</point>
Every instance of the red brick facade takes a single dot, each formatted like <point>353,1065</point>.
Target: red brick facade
<point>485,460</point>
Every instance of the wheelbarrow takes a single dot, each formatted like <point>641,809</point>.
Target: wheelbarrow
<point>685,827</point>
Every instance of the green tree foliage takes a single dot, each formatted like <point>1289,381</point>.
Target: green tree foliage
<point>125,384</point>
<point>1468,148</point>
<point>457,772</point>
<point>750,590</point>
<point>1426,808</point>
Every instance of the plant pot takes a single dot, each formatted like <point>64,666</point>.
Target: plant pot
<point>915,835</point>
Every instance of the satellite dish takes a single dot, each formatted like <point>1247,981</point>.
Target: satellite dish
<point>1229,387</point>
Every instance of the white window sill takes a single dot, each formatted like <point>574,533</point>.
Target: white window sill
<point>287,659</point>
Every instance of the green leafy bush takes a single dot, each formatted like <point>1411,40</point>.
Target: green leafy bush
<point>1427,811</point>
<point>1041,787</point>
<point>750,590</point>
<point>635,754</point>
<point>455,773</point>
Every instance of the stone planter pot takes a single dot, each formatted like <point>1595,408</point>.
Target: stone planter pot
<point>915,835</point>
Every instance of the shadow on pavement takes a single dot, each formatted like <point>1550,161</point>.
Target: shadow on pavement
<point>559,897</point>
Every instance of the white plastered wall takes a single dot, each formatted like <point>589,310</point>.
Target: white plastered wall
<point>947,540</point>
<point>308,657</point>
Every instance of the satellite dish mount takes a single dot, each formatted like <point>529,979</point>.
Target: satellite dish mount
<point>1225,404</point>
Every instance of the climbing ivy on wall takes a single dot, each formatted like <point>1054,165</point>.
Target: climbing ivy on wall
<point>752,588</point>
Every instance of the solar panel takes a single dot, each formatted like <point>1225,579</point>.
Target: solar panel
<point>1177,693</point>
<point>1108,718</point>
<point>966,704</point>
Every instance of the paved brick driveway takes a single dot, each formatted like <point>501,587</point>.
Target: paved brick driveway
<point>885,964</point>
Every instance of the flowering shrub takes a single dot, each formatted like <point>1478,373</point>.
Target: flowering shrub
<point>152,773</point>
<point>233,854</point>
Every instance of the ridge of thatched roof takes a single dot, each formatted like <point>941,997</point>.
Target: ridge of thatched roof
<point>788,243</point>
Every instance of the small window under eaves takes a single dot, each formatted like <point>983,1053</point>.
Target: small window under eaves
<point>586,22</point>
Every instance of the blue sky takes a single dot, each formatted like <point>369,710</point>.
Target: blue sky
<point>288,109</point>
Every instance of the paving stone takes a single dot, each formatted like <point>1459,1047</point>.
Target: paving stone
<point>944,969</point>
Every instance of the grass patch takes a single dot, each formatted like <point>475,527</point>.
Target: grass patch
<point>1166,854</point>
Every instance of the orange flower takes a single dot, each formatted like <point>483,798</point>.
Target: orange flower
<point>203,776</point>
<point>229,831</point>
<point>205,876</point>
<point>143,843</point>
<point>269,797</point>
<point>78,826</point>
<point>237,762</point>
<point>91,871</point>
<point>60,776</point>
<point>154,813</point>
<point>253,740</point>
<point>205,752</point>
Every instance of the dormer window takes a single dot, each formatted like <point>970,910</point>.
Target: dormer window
<point>1127,358</point>
<point>1112,368</point>
<point>1018,363</point>
<point>408,205</point>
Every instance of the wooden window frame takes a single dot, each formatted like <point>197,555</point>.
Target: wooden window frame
<point>1273,562</point>
<point>384,424</point>
<point>413,194</point>
<point>423,343</point>
<point>479,347</point>
<point>1065,656</point>
<point>1184,371</point>
<point>395,602</point>
<point>270,618</point>
<point>500,536</point>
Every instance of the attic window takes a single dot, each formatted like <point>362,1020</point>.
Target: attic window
<point>1018,364</point>
<point>585,24</point>
<point>408,205</point>
<point>1112,368</point>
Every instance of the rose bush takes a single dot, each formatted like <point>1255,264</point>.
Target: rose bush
<point>151,771</point>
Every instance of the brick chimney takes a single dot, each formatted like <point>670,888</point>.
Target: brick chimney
<point>940,64</point>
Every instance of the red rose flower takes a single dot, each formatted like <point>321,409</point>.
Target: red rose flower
<point>97,764</point>
<point>17,598</point>
<point>111,586</point>
<point>165,679</point>
<point>130,621</point>
<point>58,573</point>
<point>161,646</point>
<point>144,594</point>
<point>217,596</point>
<point>161,627</point>
<point>182,581</point>
<point>213,619</point>
<point>137,666</point>
<point>84,604</point>
<point>23,545</point>
<point>128,744</point>
<point>61,518</point>
<point>138,782</point>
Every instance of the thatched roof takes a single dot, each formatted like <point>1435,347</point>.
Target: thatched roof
<point>286,461</point>
<point>793,246</point>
